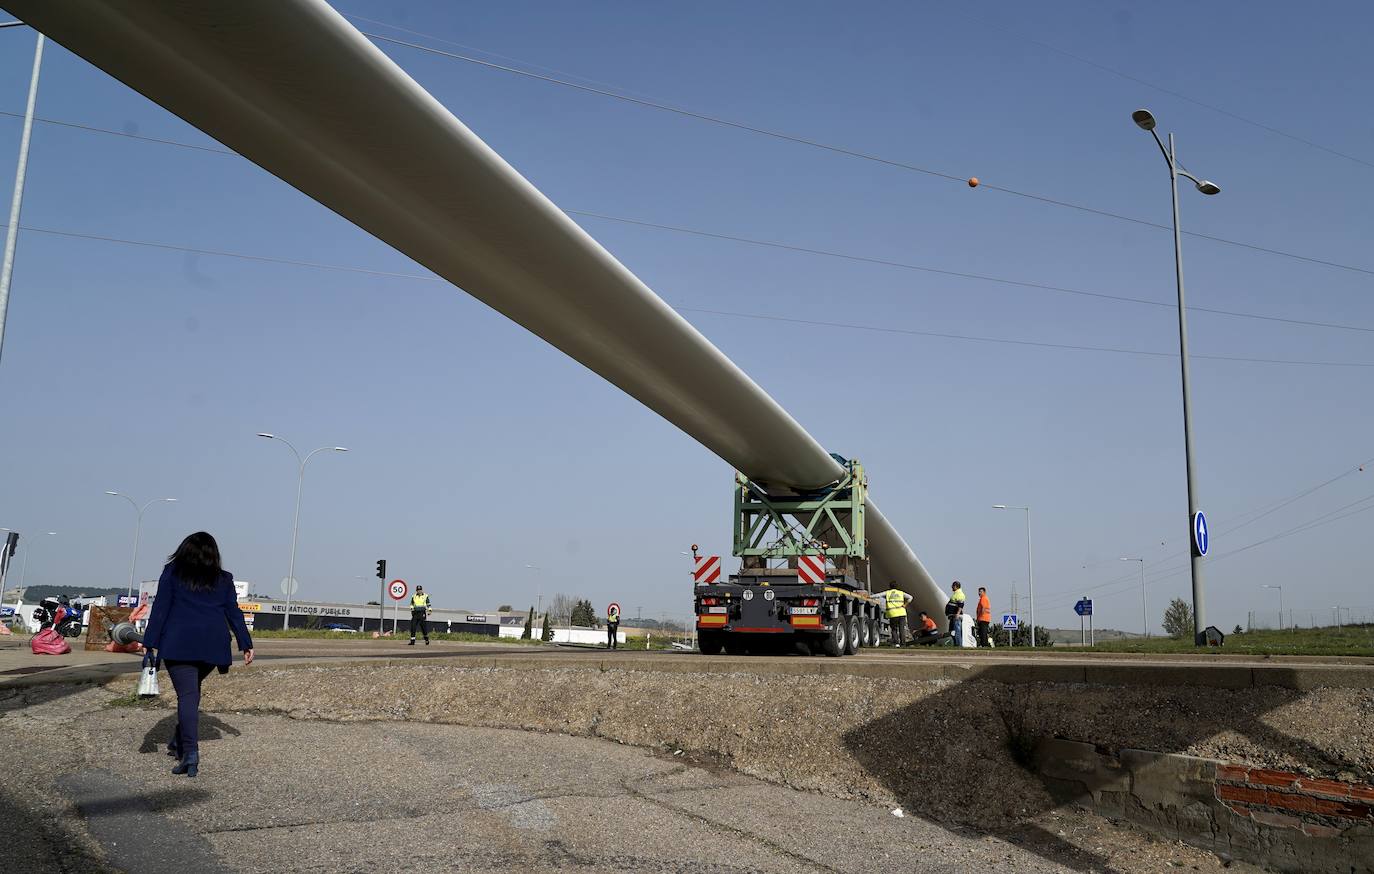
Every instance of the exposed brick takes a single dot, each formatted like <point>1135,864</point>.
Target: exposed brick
<point>1361,792</point>
<point>1312,804</point>
<point>1232,773</point>
<point>1325,788</point>
<point>1266,777</point>
<point>1241,793</point>
<point>1313,830</point>
<point>1277,820</point>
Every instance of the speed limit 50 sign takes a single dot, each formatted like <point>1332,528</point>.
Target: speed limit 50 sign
<point>398,589</point>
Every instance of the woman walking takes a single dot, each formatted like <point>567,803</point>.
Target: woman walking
<point>189,629</point>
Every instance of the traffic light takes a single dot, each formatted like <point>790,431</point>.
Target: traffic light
<point>381,568</point>
<point>11,541</point>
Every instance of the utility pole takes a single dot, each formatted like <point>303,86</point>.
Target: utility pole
<point>17,200</point>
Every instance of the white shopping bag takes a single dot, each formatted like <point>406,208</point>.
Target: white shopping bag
<point>147,678</point>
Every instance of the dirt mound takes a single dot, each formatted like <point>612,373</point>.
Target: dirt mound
<point>942,749</point>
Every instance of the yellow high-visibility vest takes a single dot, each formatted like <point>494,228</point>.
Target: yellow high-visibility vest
<point>896,602</point>
<point>419,602</point>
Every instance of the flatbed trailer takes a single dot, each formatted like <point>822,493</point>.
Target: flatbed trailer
<point>758,612</point>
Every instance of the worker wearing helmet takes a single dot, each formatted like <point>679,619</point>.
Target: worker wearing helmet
<point>894,604</point>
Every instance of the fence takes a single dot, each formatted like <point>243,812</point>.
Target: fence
<point>1331,617</point>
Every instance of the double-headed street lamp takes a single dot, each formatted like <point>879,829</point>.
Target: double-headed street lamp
<point>1030,567</point>
<point>1144,611</point>
<point>1196,530</point>
<point>290,583</point>
<point>138,530</point>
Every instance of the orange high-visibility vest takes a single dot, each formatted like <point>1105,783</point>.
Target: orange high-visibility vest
<point>984,609</point>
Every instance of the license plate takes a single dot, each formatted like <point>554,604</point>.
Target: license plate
<point>804,611</point>
<point>714,610</point>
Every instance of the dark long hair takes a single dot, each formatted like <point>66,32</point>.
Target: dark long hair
<point>196,562</point>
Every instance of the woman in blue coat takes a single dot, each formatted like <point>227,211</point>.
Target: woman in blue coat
<point>194,610</point>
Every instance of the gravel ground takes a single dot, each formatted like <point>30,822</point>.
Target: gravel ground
<point>938,748</point>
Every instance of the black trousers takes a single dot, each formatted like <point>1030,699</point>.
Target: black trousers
<point>983,633</point>
<point>186,679</point>
<point>611,629</point>
<point>898,625</point>
<point>418,623</point>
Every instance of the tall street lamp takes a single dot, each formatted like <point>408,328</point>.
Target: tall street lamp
<point>1280,588</point>
<point>1145,121</point>
<point>17,199</point>
<point>138,530</point>
<point>1030,567</point>
<point>295,526</point>
<point>1144,611</point>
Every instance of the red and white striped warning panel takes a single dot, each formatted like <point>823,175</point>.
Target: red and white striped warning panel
<point>811,569</point>
<point>707,569</point>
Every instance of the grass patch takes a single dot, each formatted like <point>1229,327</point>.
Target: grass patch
<point>130,700</point>
<point>1349,640</point>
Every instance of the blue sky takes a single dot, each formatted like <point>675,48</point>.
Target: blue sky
<point>478,450</point>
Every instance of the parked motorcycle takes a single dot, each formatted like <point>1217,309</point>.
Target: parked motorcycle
<point>60,614</point>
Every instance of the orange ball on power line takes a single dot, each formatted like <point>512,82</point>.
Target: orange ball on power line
<point>973,182</point>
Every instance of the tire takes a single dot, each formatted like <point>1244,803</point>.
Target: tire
<point>709,643</point>
<point>864,631</point>
<point>875,632</point>
<point>802,647</point>
<point>836,643</point>
<point>851,636</point>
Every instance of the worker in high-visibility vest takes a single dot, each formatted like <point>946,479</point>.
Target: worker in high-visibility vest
<point>419,612</point>
<point>894,604</point>
<point>927,630</point>
<point>983,617</point>
<point>955,608</point>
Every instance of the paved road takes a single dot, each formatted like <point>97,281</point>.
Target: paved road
<point>277,794</point>
<point>20,667</point>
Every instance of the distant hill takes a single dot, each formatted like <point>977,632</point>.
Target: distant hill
<point>1074,636</point>
<point>33,594</point>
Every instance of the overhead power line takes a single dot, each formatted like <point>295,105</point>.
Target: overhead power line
<point>792,247</point>
<point>317,265</point>
<point>1021,37</point>
<point>840,150</point>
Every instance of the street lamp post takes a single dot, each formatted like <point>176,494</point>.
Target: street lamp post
<point>24,568</point>
<point>17,199</point>
<point>1280,588</point>
<point>1144,610</point>
<point>138,529</point>
<point>1145,121</point>
<point>296,524</point>
<point>1030,567</point>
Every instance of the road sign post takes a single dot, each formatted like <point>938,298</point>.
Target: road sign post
<point>1083,608</point>
<point>397,590</point>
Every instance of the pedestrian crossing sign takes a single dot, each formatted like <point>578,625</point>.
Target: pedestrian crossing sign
<point>1010,621</point>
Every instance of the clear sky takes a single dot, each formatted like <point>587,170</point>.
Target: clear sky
<point>478,450</point>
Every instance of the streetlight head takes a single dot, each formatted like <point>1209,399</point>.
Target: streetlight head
<point>171,500</point>
<point>268,436</point>
<point>1143,119</point>
<point>340,448</point>
<point>999,506</point>
<point>1208,187</point>
<point>116,494</point>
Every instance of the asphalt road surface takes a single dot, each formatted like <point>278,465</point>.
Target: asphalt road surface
<point>89,789</point>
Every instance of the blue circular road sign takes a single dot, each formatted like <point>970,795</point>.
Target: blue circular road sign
<point>1200,533</point>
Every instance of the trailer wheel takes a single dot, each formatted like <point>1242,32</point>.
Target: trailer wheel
<point>851,635</point>
<point>835,643</point>
<point>875,631</point>
<point>709,642</point>
<point>865,630</point>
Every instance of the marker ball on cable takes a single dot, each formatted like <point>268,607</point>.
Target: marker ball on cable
<point>973,182</point>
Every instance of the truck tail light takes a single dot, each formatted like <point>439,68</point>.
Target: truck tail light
<point>810,602</point>
<point>710,602</point>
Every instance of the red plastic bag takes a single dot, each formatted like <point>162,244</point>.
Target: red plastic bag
<point>49,642</point>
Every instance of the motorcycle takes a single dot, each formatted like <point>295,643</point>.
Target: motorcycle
<point>59,613</point>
